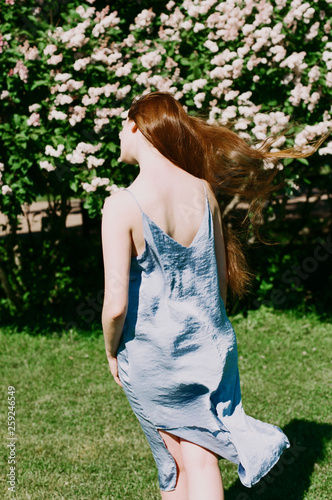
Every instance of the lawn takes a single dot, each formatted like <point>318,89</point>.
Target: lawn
<point>77,437</point>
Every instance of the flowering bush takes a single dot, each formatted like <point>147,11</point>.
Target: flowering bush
<point>66,85</point>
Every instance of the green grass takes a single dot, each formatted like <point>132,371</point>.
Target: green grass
<point>77,437</point>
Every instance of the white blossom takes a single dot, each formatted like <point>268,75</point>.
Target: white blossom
<point>56,115</point>
<point>50,151</point>
<point>50,49</point>
<point>6,189</point>
<point>151,59</point>
<point>92,161</point>
<point>55,59</point>
<point>81,63</point>
<point>34,120</point>
<point>199,98</point>
<point>211,46</point>
<point>46,165</point>
<point>62,77</point>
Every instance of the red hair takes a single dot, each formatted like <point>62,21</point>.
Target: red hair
<point>219,155</point>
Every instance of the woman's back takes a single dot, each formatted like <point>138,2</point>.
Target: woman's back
<point>175,203</point>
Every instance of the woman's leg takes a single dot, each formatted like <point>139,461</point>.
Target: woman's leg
<point>173,445</point>
<point>203,473</point>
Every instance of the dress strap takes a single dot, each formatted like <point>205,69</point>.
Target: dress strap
<point>204,187</point>
<point>125,189</point>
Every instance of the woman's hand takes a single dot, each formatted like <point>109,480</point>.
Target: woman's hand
<point>113,364</point>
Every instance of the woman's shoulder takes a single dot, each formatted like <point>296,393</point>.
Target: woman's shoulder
<point>211,197</point>
<point>116,204</point>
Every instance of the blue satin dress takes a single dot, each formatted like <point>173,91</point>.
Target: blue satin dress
<point>178,360</point>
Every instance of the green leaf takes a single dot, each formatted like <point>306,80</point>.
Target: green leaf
<point>39,83</point>
<point>287,161</point>
<point>303,160</point>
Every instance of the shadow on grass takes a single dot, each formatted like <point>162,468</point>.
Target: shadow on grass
<point>290,477</point>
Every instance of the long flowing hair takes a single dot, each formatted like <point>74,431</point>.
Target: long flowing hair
<point>219,155</point>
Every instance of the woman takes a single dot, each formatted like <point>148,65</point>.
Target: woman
<point>168,340</point>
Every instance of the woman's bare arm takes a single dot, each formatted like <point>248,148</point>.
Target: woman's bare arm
<point>116,245</point>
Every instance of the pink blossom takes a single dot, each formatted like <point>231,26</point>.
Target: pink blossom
<point>314,98</point>
<point>248,111</point>
<point>186,25</point>
<point>75,37</point>
<point>199,27</point>
<point>76,157</point>
<point>151,59</point>
<point>55,59</point>
<point>110,88</point>
<point>87,101</point>
<point>88,187</point>
<point>211,46</point>
<point>229,113</point>
<point>99,124</point>
<point>6,189</point>
<point>281,4</point>
<point>62,77</point>
<point>81,63</point>
<point>130,41</point>
<point>223,57</point>
<point>143,19</point>
<point>199,99</point>
<point>279,51</point>
<point>56,115</point>
<point>300,93</point>
<point>22,71</point>
<point>121,93</point>
<point>74,85</point>
<point>242,51</point>
<point>124,70</point>
<point>231,95</point>
<point>170,63</point>
<point>99,181</point>
<point>248,28</point>
<point>328,79</point>
<point>92,161</point>
<point>50,151</point>
<point>314,74</point>
<point>77,115</point>
<point>85,13</point>
<point>313,32</point>
<point>245,96</point>
<point>162,84</point>
<point>50,49</point>
<point>62,99</point>
<point>327,27</point>
<point>199,84</point>
<point>170,5</point>
<point>107,22</point>
<point>4,94</point>
<point>31,54</point>
<point>241,124</point>
<point>327,150</point>
<point>46,165</point>
<point>295,62</point>
<point>3,43</point>
<point>34,120</point>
